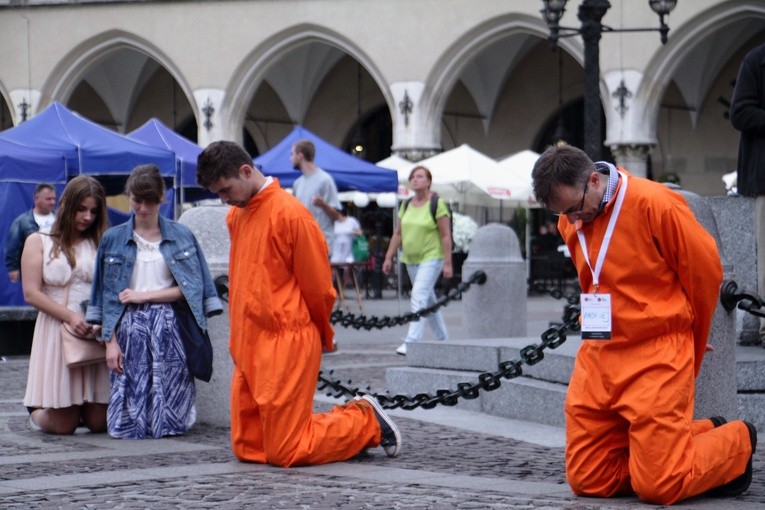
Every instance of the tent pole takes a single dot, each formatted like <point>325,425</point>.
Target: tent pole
<point>528,243</point>
<point>178,201</point>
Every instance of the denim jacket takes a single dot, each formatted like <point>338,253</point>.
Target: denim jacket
<point>114,268</point>
<point>21,228</point>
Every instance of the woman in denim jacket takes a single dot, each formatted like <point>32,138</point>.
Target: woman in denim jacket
<point>142,266</point>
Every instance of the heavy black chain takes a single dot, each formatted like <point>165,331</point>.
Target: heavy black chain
<point>568,292</point>
<point>730,295</point>
<point>349,320</point>
<point>488,381</point>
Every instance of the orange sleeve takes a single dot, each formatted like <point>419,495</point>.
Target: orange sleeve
<point>313,276</point>
<point>692,252</point>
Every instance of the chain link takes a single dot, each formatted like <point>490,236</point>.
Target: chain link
<point>349,320</point>
<point>487,381</point>
<point>730,295</point>
<point>569,292</point>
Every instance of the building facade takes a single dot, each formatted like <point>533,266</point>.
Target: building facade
<point>411,77</point>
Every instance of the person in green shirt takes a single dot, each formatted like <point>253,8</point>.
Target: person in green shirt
<point>427,252</point>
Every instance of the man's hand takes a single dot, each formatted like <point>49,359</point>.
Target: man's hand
<point>13,276</point>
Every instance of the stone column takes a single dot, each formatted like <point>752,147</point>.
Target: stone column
<point>633,158</point>
<point>208,223</point>
<point>211,125</point>
<point>716,388</point>
<point>24,104</point>
<point>415,134</point>
<point>496,309</point>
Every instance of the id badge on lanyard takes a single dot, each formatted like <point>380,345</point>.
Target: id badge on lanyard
<point>596,316</point>
<point>596,307</point>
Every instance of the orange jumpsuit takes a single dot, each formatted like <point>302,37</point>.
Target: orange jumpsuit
<point>629,407</point>
<point>281,297</point>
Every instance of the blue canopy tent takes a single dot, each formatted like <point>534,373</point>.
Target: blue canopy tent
<point>91,149</point>
<point>21,170</point>
<point>156,134</point>
<point>350,173</point>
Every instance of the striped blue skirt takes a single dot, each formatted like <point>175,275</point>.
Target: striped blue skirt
<point>154,397</point>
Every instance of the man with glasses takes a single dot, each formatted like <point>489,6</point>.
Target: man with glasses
<point>650,277</point>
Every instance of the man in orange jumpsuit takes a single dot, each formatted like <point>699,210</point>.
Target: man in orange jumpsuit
<point>650,277</point>
<point>281,297</point>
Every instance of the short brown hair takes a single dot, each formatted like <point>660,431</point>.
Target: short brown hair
<point>559,165</point>
<point>146,183</point>
<point>220,160</point>
<point>306,148</point>
<point>44,186</point>
<point>427,173</point>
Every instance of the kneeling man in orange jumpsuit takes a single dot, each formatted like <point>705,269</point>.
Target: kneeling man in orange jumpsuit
<point>650,277</point>
<point>281,298</point>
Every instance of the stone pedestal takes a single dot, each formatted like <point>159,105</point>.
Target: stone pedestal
<point>496,309</point>
<point>735,220</point>
<point>208,223</point>
<point>716,390</point>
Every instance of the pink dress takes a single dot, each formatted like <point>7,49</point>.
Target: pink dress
<point>51,384</point>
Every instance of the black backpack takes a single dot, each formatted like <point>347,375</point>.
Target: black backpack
<point>433,209</point>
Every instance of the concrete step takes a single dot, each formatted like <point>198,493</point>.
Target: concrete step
<point>485,355</point>
<point>521,398</point>
<point>538,395</point>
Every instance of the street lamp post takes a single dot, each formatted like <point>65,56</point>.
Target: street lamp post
<point>590,14</point>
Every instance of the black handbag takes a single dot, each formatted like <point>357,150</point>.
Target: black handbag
<point>196,342</point>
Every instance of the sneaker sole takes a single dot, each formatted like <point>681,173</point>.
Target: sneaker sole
<point>31,425</point>
<point>390,450</point>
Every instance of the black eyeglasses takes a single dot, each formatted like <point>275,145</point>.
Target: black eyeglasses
<point>573,210</point>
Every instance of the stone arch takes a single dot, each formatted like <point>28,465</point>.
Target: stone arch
<point>68,73</point>
<point>445,72</point>
<point>251,71</point>
<point>5,100</point>
<point>684,40</point>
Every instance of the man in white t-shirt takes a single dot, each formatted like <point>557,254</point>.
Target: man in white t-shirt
<point>315,189</point>
<point>39,219</point>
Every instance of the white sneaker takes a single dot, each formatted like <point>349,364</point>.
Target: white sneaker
<point>401,349</point>
<point>34,427</point>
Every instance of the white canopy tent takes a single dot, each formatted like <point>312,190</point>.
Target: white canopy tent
<point>457,174</point>
<point>516,169</point>
<point>402,167</point>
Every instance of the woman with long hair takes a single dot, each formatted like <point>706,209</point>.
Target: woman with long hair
<point>58,270</point>
<point>427,251</point>
<point>142,267</point>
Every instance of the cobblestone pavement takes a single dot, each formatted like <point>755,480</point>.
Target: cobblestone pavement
<point>443,464</point>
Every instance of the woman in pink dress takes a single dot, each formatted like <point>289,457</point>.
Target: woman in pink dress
<point>56,267</point>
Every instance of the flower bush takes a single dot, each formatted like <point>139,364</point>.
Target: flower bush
<point>464,228</point>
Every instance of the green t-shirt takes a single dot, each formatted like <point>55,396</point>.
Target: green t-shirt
<point>419,233</point>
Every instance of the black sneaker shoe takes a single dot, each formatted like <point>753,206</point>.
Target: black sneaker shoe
<point>390,438</point>
<point>718,421</point>
<point>741,484</point>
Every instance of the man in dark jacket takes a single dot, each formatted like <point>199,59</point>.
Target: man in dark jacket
<point>39,218</point>
<point>747,114</point>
